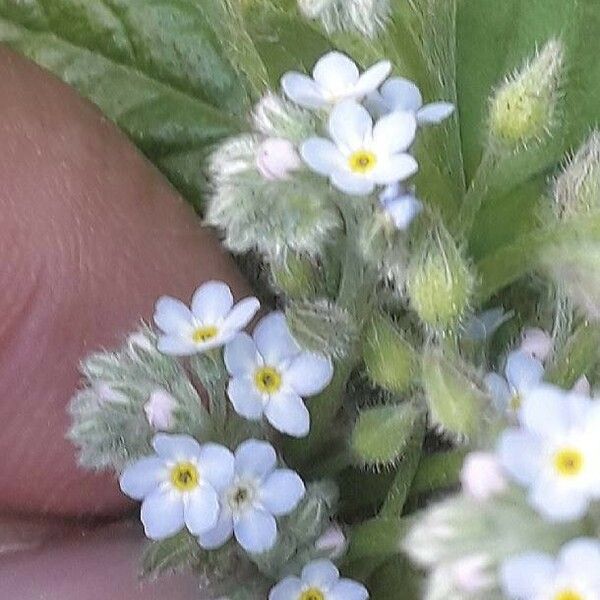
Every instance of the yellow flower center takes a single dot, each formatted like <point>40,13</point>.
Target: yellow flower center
<point>185,476</point>
<point>204,333</point>
<point>362,161</point>
<point>312,594</point>
<point>268,380</point>
<point>568,462</point>
<point>515,402</point>
<point>568,595</point>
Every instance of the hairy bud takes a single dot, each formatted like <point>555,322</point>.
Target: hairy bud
<point>275,117</point>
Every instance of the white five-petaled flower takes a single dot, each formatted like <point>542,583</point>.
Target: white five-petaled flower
<point>400,204</point>
<point>320,580</point>
<point>257,493</point>
<point>361,155</point>
<point>270,374</point>
<point>212,321</point>
<point>555,453</point>
<point>573,575</point>
<point>398,94</point>
<point>335,78</point>
<point>522,373</point>
<point>180,485</point>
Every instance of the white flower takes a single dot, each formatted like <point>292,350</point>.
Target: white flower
<point>482,476</point>
<point>362,155</point>
<point>573,575</point>
<point>159,410</point>
<point>522,373</point>
<point>320,580</point>
<point>271,374</point>
<point>400,204</point>
<point>335,78</point>
<point>179,486</point>
<point>556,452</point>
<point>212,321</point>
<point>403,95</point>
<point>537,342</point>
<point>276,158</point>
<point>256,494</point>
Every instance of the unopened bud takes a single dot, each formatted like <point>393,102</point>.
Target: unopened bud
<point>275,117</point>
<point>294,276</point>
<point>523,109</point>
<point>159,410</point>
<point>482,476</point>
<point>276,158</point>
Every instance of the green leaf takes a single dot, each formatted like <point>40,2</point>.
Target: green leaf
<point>177,553</point>
<point>165,71</point>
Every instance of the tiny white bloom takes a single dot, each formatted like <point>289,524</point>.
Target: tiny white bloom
<point>398,94</point>
<point>482,476</point>
<point>212,321</point>
<point>573,575</point>
<point>179,486</point>
<point>555,453</point>
<point>320,580</point>
<point>256,494</point>
<point>522,373</point>
<point>361,155</point>
<point>537,342</point>
<point>276,158</point>
<point>335,78</point>
<point>270,374</point>
<point>159,410</point>
<point>400,204</point>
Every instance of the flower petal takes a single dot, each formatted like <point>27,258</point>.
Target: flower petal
<point>434,113</point>
<point>525,575</point>
<point>520,454</point>
<point>558,502</point>
<point>240,315</point>
<point>302,90</point>
<point>403,211</point>
<point>346,589</point>
<point>351,184</point>
<point>581,557</point>
<point>499,390</point>
<point>246,400</point>
<point>309,373</point>
<point>286,413</point>
<point>372,78</point>
<point>212,301</point>
<point>401,94</point>
<point>394,133</point>
<point>142,477</point>
<point>175,447</point>
<point>375,104</point>
<point>162,514</point>
<point>172,315</point>
<point>241,355</point>
<point>397,168</point>
<point>256,531</point>
<point>175,345</point>
<point>289,588</point>
<point>201,509</point>
<point>321,574</point>
<point>523,371</point>
<point>219,534</point>
<point>274,340</point>
<point>350,126</point>
<point>216,464</point>
<point>255,458</point>
<point>282,491</point>
<point>545,411</point>
<point>321,155</point>
<point>336,74</point>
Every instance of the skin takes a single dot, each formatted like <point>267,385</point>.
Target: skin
<point>90,235</point>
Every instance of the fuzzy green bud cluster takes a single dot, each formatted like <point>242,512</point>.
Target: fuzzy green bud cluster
<point>294,276</point>
<point>524,108</point>
<point>440,282</point>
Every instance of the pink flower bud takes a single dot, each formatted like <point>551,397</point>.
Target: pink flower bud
<point>469,574</point>
<point>159,410</point>
<point>482,476</point>
<point>333,541</point>
<point>276,157</point>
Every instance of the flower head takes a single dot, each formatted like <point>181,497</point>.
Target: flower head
<point>256,494</point>
<point>179,486</point>
<point>361,155</point>
<point>320,580</point>
<point>212,321</point>
<point>522,373</point>
<point>276,158</point>
<point>159,409</point>
<point>573,575</point>
<point>270,374</point>
<point>555,452</point>
<point>398,94</point>
<point>335,78</point>
<point>400,205</point>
